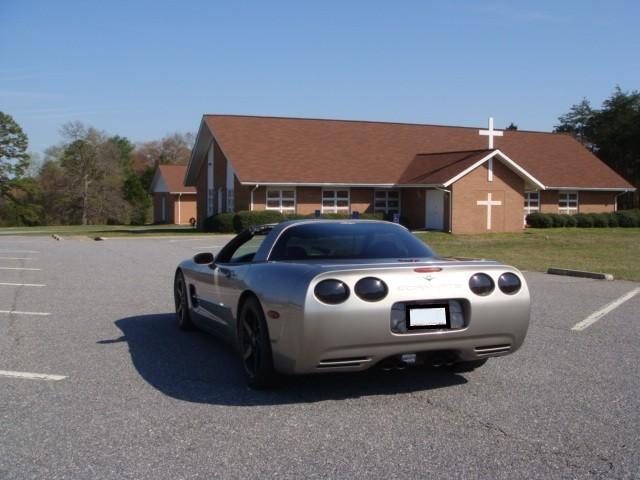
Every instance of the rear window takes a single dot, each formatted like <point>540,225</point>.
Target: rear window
<point>346,241</point>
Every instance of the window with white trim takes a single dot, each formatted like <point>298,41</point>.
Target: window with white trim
<point>229,200</point>
<point>568,202</point>
<point>335,200</point>
<point>386,201</point>
<point>230,186</point>
<point>531,204</point>
<point>282,200</point>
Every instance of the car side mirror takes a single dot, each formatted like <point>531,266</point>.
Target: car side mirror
<point>203,258</point>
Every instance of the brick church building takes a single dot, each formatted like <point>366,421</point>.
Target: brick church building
<point>456,179</point>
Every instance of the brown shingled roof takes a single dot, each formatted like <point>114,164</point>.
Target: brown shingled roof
<point>314,151</point>
<point>173,176</point>
<point>437,168</point>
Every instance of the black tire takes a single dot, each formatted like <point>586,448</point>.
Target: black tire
<point>468,366</point>
<point>182,302</point>
<point>255,346</point>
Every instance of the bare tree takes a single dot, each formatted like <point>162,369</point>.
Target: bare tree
<point>171,149</point>
<point>93,166</point>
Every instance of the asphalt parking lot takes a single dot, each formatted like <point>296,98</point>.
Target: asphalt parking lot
<point>97,382</point>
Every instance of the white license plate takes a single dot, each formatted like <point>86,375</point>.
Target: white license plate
<point>424,317</point>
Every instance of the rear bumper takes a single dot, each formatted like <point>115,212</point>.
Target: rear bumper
<point>331,339</point>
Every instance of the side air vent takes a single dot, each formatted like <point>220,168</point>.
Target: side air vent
<point>492,350</point>
<point>193,296</point>
<point>343,362</point>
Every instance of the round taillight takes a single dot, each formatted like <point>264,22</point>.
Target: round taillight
<point>509,283</point>
<point>481,284</point>
<point>331,291</point>
<point>371,289</point>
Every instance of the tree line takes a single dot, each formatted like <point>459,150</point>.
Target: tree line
<point>90,177</point>
<point>612,133</point>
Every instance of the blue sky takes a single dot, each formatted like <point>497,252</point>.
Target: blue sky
<point>143,69</point>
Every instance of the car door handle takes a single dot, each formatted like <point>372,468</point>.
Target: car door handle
<point>226,272</point>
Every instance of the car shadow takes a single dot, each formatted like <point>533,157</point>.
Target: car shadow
<point>197,367</point>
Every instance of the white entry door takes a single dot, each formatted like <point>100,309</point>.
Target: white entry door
<point>435,210</point>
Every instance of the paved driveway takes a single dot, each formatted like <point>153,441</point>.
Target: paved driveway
<point>139,399</point>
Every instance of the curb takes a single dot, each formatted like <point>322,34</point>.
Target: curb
<point>579,273</point>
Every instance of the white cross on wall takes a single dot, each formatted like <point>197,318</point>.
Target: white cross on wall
<point>491,133</point>
<point>489,203</point>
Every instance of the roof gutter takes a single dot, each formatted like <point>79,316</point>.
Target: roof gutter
<point>334,184</point>
<point>593,189</point>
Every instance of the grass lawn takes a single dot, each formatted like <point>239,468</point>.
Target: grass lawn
<point>103,230</point>
<point>606,250</point>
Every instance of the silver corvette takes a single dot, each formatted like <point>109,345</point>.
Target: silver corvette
<point>328,295</point>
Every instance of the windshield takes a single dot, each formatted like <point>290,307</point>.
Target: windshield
<point>347,241</point>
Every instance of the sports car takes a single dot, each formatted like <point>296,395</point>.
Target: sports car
<point>317,295</point>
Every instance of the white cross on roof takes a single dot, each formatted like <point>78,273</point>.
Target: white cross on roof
<point>491,133</point>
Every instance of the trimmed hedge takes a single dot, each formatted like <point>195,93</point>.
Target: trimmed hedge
<point>540,220</point>
<point>600,220</point>
<point>584,220</point>
<point>628,218</point>
<point>623,218</point>
<point>571,221</point>
<point>221,223</point>
<point>559,220</point>
<point>246,218</point>
<point>236,222</point>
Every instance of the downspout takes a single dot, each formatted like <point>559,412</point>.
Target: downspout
<point>615,200</point>
<point>179,216</point>
<point>253,190</point>
<point>450,206</point>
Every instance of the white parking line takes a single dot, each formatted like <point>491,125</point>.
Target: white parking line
<point>21,268</point>
<point>18,251</point>
<point>22,285</point>
<point>17,312</point>
<point>196,239</point>
<point>594,317</point>
<point>16,258</point>
<point>31,376</point>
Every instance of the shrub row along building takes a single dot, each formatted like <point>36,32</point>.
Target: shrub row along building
<point>457,179</point>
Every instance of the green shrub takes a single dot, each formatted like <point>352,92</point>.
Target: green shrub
<point>600,220</point>
<point>297,216</point>
<point>571,221</point>
<point>636,212</point>
<point>219,223</point>
<point>540,220</point>
<point>583,220</point>
<point>245,218</point>
<point>612,218</point>
<point>223,222</point>
<point>207,224</point>
<point>628,218</point>
<point>558,220</point>
<point>377,216</point>
<point>340,216</point>
<point>333,216</point>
